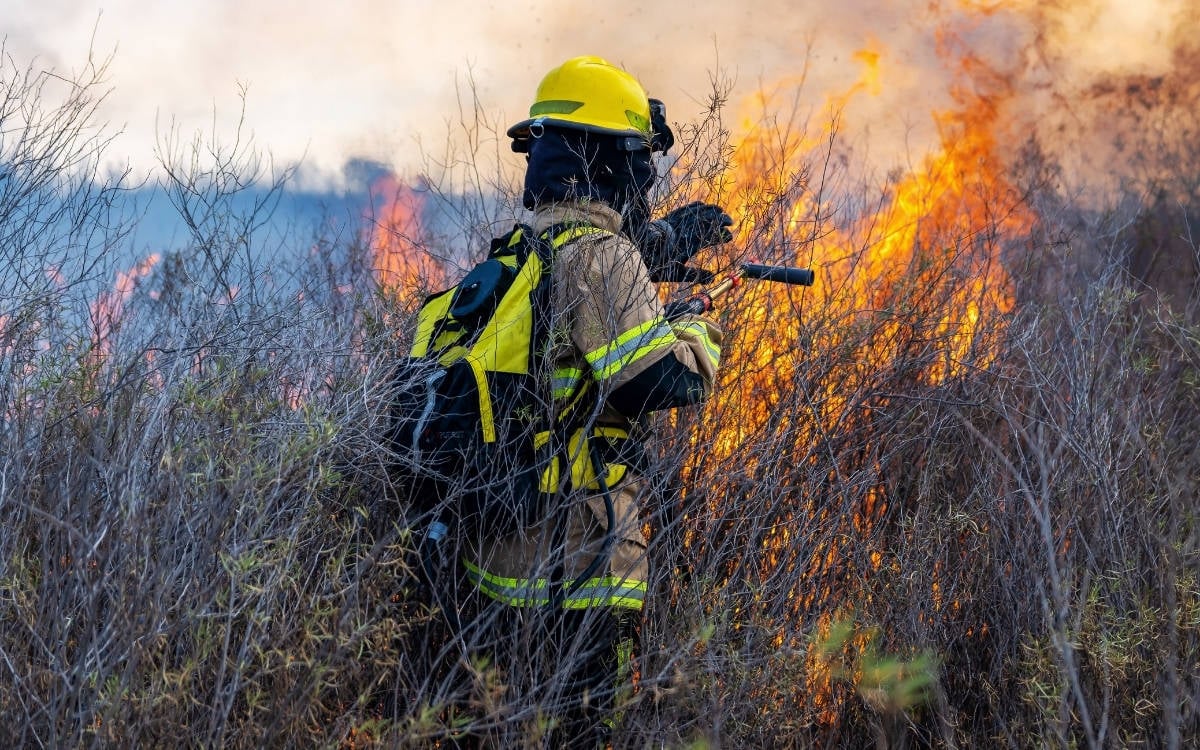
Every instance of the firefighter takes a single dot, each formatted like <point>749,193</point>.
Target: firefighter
<point>562,596</point>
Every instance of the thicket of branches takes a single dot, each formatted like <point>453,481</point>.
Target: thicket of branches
<point>203,543</point>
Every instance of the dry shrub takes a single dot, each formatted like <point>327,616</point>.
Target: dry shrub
<point>881,536</point>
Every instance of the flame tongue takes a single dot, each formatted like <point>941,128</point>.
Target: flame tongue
<point>109,307</point>
<point>398,257</point>
<point>933,240</point>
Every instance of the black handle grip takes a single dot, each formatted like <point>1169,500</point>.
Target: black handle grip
<point>782,274</point>
<point>695,305</point>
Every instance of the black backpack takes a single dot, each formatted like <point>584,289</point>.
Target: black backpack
<point>473,426</point>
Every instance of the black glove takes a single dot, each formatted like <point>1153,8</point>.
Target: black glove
<point>670,242</point>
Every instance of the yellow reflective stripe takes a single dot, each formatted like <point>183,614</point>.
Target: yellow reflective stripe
<point>575,233</point>
<point>608,591</point>
<point>565,380</point>
<point>629,347</point>
<point>486,418</point>
<point>700,331</point>
<point>583,474</point>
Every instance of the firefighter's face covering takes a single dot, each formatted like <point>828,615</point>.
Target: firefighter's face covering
<point>569,164</point>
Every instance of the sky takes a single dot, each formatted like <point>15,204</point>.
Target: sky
<point>331,83</point>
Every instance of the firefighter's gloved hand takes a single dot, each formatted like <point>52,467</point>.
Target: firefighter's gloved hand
<point>656,253</point>
<point>696,226</point>
<point>670,242</point>
<point>675,271</point>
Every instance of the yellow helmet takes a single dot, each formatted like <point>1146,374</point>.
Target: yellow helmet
<point>589,93</point>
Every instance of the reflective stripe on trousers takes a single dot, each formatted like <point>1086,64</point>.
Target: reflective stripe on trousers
<point>606,591</point>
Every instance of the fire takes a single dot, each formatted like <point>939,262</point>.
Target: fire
<point>399,259</point>
<point>934,242</point>
<point>910,288</point>
<point>109,307</point>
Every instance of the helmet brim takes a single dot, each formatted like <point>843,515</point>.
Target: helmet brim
<point>523,129</point>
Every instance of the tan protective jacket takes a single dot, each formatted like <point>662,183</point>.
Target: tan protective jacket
<point>609,326</point>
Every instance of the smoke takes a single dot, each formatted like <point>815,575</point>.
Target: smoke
<point>384,81</point>
<point>1088,40</point>
<point>1117,87</point>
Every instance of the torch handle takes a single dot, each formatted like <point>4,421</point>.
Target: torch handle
<point>701,302</point>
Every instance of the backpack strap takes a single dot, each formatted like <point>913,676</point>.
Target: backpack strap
<point>564,233</point>
<point>548,244</point>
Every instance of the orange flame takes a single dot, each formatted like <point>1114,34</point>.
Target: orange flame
<point>109,306</point>
<point>923,266</point>
<point>935,239</point>
<point>399,259</point>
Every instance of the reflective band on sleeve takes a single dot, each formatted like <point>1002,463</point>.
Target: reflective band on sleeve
<point>609,591</point>
<point>629,347</point>
<point>565,381</point>
<point>700,331</point>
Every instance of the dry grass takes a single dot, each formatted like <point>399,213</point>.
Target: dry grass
<point>202,545</point>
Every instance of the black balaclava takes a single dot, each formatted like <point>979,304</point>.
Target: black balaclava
<point>566,164</point>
